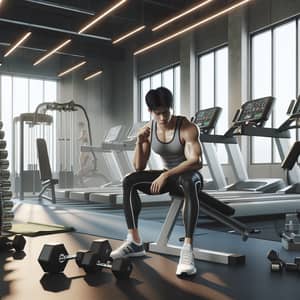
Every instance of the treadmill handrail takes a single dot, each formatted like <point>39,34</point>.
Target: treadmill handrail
<point>292,157</point>
<point>217,139</point>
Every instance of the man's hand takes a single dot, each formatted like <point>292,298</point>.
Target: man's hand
<point>158,183</point>
<point>143,134</point>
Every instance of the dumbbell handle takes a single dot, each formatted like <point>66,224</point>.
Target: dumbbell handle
<point>103,265</point>
<point>62,258</point>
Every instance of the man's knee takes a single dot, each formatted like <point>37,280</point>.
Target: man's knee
<point>191,179</point>
<point>130,179</point>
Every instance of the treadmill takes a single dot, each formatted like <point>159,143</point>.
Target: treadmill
<point>248,122</point>
<point>110,159</point>
<point>256,113</point>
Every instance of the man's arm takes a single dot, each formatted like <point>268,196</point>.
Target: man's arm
<point>192,151</point>
<point>142,148</point>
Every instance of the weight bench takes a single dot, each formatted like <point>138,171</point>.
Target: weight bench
<point>206,206</point>
<point>45,171</point>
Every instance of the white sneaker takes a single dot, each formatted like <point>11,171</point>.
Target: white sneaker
<point>128,249</point>
<point>186,265</point>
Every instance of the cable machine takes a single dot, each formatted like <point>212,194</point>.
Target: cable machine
<point>41,118</point>
<point>27,180</point>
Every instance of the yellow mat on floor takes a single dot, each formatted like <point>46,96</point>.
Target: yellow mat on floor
<point>36,229</point>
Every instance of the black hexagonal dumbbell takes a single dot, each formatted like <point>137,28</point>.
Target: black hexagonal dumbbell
<point>18,242</point>
<point>120,267</point>
<point>277,264</point>
<point>54,257</point>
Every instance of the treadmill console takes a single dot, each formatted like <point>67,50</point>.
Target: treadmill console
<point>255,111</point>
<point>113,134</point>
<point>206,119</point>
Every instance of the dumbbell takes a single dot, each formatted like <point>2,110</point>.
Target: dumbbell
<point>7,204</point>
<point>293,267</point>
<point>4,174</point>
<point>5,195</point>
<point>120,267</point>
<point>4,164</point>
<point>5,226</point>
<point>18,242</point>
<point>7,216</point>
<point>2,144</point>
<point>3,154</point>
<point>2,134</point>
<point>54,257</point>
<point>5,184</point>
<point>277,264</point>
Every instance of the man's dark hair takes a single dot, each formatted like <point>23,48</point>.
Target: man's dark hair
<point>159,97</point>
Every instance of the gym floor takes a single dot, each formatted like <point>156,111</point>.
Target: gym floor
<point>153,277</point>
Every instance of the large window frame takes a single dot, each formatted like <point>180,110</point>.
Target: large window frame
<point>215,88</point>
<point>47,88</point>
<point>151,83</point>
<point>273,157</point>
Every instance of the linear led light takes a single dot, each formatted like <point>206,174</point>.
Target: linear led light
<point>191,27</point>
<point>102,16</point>
<point>63,7</point>
<point>125,36</point>
<point>93,75</point>
<point>184,13</point>
<point>17,44</point>
<point>71,69</point>
<point>52,51</point>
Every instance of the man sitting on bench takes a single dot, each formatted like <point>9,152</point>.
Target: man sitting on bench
<point>176,140</point>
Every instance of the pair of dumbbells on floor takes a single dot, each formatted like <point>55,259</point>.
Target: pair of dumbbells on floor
<point>17,243</point>
<point>54,257</point>
<point>278,265</point>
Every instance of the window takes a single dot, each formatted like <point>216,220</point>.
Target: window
<point>213,89</point>
<point>274,73</point>
<point>20,95</point>
<point>169,78</point>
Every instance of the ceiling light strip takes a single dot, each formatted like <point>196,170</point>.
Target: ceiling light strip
<point>22,40</point>
<point>184,13</point>
<point>52,52</point>
<point>93,75</point>
<point>53,29</point>
<point>71,69</point>
<point>123,37</point>
<point>101,16</point>
<point>63,7</point>
<point>191,27</point>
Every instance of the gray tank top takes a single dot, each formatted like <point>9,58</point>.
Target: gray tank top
<point>172,152</point>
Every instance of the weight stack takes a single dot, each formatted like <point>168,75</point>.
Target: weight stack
<point>6,205</point>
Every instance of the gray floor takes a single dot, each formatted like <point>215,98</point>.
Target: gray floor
<point>252,281</point>
<point>267,227</point>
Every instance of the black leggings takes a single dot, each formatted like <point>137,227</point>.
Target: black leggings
<point>188,184</point>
